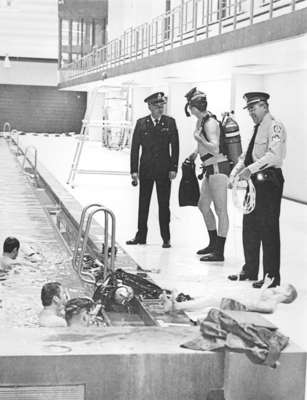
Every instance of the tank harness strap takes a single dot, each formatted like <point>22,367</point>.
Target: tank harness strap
<point>215,160</point>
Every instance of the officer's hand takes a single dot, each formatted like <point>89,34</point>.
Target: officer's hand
<point>245,174</point>
<point>172,175</point>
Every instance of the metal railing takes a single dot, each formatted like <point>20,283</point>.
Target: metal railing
<point>193,20</point>
<point>82,239</point>
<point>6,128</point>
<point>13,139</point>
<point>26,159</point>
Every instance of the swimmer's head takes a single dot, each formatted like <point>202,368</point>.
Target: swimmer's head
<point>123,295</point>
<point>196,102</point>
<point>77,311</point>
<point>11,247</point>
<point>53,294</point>
<point>287,293</point>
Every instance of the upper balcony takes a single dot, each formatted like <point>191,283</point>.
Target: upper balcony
<point>193,24</point>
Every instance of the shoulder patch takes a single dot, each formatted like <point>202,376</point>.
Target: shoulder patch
<point>277,128</point>
<point>276,131</point>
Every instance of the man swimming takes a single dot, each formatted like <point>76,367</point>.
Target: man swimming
<point>54,298</point>
<point>11,247</point>
<point>11,250</point>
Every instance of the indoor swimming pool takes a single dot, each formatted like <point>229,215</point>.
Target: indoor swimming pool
<point>143,339</point>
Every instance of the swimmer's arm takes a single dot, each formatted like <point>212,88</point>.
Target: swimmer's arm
<point>213,134</point>
<point>193,156</point>
<point>22,263</point>
<point>194,305</point>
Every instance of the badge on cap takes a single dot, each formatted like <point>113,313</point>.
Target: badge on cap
<point>156,98</point>
<point>255,97</point>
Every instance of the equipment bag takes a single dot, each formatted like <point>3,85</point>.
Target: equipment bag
<point>188,188</point>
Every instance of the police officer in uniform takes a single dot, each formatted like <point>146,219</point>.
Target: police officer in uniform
<point>157,134</point>
<point>262,163</point>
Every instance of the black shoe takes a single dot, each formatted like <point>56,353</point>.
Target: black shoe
<point>212,257</point>
<point>259,284</point>
<point>207,250</point>
<point>166,244</point>
<point>242,276</point>
<point>136,241</point>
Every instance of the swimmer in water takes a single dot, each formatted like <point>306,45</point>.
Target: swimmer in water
<point>54,298</point>
<point>10,259</point>
<point>11,247</point>
<point>78,312</point>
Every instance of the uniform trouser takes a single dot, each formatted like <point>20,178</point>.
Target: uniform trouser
<point>163,187</point>
<point>261,226</point>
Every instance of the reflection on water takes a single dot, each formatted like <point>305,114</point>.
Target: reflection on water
<point>20,292</point>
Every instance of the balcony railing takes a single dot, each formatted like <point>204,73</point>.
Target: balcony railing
<point>190,22</point>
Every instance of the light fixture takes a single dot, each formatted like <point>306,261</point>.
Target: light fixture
<point>7,62</point>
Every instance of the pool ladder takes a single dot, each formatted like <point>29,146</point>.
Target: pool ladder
<point>82,239</point>
<point>32,165</point>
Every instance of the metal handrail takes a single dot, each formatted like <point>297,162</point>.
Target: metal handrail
<point>5,126</point>
<point>31,147</point>
<point>15,141</point>
<point>186,23</point>
<point>78,256</point>
<point>80,231</point>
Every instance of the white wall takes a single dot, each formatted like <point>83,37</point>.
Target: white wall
<point>29,29</point>
<point>29,73</point>
<point>124,14</point>
<point>288,103</point>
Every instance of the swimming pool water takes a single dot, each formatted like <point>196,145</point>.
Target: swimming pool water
<point>20,291</point>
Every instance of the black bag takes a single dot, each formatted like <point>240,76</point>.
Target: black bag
<point>188,188</point>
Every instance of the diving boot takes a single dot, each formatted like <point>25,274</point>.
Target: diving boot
<point>218,253</point>
<point>210,247</point>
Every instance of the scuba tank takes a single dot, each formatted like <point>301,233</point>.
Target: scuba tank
<point>232,138</point>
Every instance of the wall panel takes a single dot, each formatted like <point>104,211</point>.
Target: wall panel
<point>41,109</point>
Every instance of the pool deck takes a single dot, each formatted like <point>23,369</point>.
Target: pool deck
<point>126,363</point>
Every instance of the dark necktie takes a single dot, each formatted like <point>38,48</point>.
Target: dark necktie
<point>249,153</point>
<point>156,122</point>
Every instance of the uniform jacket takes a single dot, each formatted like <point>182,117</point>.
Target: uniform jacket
<point>269,148</point>
<point>160,147</point>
